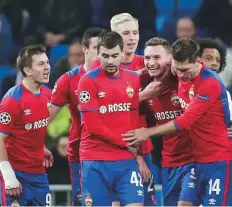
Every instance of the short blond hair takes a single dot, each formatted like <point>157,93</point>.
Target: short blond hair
<point>121,18</point>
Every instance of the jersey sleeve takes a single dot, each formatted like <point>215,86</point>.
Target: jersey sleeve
<point>60,91</point>
<point>9,111</point>
<point>89,108</point>
<point>203,99</point>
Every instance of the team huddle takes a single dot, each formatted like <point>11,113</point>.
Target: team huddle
<point>110,98</point>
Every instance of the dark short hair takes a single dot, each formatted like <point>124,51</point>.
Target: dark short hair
<point>110,40</point>
<point>90,33</point>
<point>206,43</point>
<point>24,58</point>
<point>158,41</point>
<point>185,49</point>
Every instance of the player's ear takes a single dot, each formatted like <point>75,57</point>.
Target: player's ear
<point>199,60</point>
<point>27,71</point>
<point>84,49</point>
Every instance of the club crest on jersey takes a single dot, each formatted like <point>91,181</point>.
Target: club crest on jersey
<point>130,91</point>
<point>191,92</point>
<point>175,99</point>
<point>15,203</point>
<point>88,200</point>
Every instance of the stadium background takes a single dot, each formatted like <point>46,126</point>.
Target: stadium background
<point>25,22</point>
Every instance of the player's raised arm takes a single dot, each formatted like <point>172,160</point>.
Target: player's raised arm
<point>90,112</point>
<point>9,110</point>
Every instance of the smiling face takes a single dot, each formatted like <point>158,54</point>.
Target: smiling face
<point>157,60</point>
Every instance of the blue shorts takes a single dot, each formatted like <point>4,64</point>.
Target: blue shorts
<point>179,184</point>
<point>149,188</point>
<point>75,181</point>
<point>36,191</point>
<point>214,183</point>
<point>101,179</point>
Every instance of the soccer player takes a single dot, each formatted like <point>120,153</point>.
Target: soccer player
<point>177,154</point>
<point>203,98</point>
<point>65,92</point>
<point>109,102</point>
<point>213,56</point>
<point>24,113</point>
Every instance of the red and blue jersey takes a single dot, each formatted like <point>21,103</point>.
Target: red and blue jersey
<point>24,117</point>
<point>206,116</point>
<point>109,108</point>
<point>65,92</point>
<point>177,148</point>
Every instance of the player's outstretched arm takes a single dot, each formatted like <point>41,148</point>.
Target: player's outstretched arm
<point>90,112</point>
<point>139,135</point>
<point>12,185</point>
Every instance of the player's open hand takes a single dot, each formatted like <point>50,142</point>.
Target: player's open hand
<point>155,89</point>
<point>135,136</point>
<point>13,190</point>
<point>48,158</point>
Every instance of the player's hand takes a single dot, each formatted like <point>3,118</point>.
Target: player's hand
<point>155,89</point>
<point>134,149</point>
<point>143,169</point>
<point>13,187</point>
<point>135,136</point>
<point>48,158</point>
<point>229,132</point>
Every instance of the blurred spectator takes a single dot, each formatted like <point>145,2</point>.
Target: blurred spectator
<point>215,15</point>
<point>62,21</point>
<point>10,81</point>
<point>75,57</point>
<point>185,28</point>
<point>59,173</point>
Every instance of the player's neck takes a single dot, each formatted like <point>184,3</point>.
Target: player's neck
<point>198,70</point>
<point>87,65</point>
<point>127,58</point>
<point>31,85</point>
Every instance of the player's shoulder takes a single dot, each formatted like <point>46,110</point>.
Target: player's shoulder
<point>130,72</point>
<point>74,72</point>
<point>93,74</point>
<point>208,73</point>
<point>14,93</point>
<point>139,57</point>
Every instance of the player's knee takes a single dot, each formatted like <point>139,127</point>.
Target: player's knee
<point>184,203</point>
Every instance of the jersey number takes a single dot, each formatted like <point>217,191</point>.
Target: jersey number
<point>136,179</point>
<point>151,185</point>
<point>214,186</point>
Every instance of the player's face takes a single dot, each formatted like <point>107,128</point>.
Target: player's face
<point>211,58</point>
<point>185,70</point>
<point>110,59</point>
<point>40,69</point>
<point>91,52</point>
<point>130,35</point>
<point>157,60</point>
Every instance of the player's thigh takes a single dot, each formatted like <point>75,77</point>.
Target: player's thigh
<point>219,184</point>
<point>188,192</point>
<point>170,186</point>
<point>149,187</point>
<point>41,191</point>
<point>75,182</point>
<point>96,183</point>
<point>129,186</point>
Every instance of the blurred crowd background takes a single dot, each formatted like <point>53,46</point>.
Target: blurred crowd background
<point>59,24</point>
